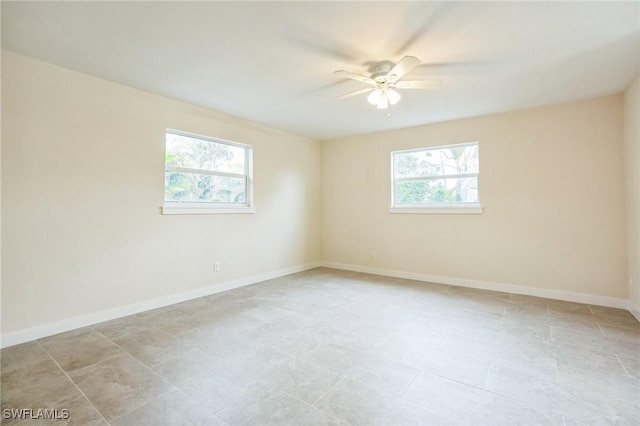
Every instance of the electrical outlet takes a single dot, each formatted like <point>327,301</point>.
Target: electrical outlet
<point>216,266</point>
<point>373,253</point>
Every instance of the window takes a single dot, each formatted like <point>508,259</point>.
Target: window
<point>441,179</point>
<point>206,175</point>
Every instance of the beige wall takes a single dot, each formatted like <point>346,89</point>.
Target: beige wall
<point>82,184</point>
<point>632,168</point>
<point>551,184</point>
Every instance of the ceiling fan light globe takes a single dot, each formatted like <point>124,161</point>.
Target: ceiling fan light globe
<point>383,103</point>
<point>374,97</point>
<point>393,96</point>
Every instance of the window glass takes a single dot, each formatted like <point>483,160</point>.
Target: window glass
<point>440,175</point>
<point>204,170</point>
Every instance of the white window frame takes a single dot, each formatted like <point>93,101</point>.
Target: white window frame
<point>433,208</point>
<point>178,207</point>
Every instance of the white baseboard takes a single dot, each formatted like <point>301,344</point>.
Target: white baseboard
<point>33,333</point>
<point>634,309</point>
<point>591,299</point>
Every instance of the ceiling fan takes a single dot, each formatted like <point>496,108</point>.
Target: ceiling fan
<point>385,79</point>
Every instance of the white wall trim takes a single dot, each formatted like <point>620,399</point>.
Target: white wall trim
<point>474,209</point>
<point>634,309</point>
<point>202,210</point>
<point>38,332</point>
<point>591,299</point>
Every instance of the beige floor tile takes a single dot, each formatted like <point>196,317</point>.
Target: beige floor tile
<point>32,374</point>
<point>315,350</point>
<point>597,342</point>
<point>176,322</point>
<point>171,408</point>
<point>196,374</point>
<point>454,400</point>
<point>468,347</point>
<point>384,374</point>
<point>615,317</point>
<point>233,324</point>
<point>616,398</point>
<point>224,350</point>
<point>527,315</point>
<point>486,305</point>
<point>120,327</point>
<point>546,396</point>
<point>528,354</point>
<point>119,385</point>
<point>576,321</point>
<point>631,335</point>
<point>271,370</point>
<point>565,306</point>
<point>58,392</point>
<point>18,356</point>
<point>78,349</point>
<point>570,336</point>
<point>631,365</point>
<point>576,362</point>
<point>503,411</point>
<point>276,409</point>
<point>151,346</point>
<point>454,367</point>
<point>282,317</point>
<point>518,330</point>
<point>311,416</point>
<point>190,362</point>
<point>479,326</point>
<point>360,404</point>
<point>192,307</point>
<point>81,413</point>
<point>427,330</point>
<point>358,335</point>
<point>27,365</point>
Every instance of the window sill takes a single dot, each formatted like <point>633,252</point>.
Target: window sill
<point>207,210</point>
<point>444,209</point>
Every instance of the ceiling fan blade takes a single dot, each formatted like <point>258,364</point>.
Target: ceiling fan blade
<point>405,65</point>
<point>419,84</point>
<point>353,76</point>
<point>357,92</point>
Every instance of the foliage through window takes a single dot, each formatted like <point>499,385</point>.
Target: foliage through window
<point>444,175</point>
<point>206,171</point>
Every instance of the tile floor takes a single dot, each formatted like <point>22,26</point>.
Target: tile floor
<point>339,348</point>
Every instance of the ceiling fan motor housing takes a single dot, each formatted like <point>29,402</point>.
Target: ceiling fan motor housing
<point>380,70</point>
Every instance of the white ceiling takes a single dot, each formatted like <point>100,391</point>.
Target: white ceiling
<point>273,62</point>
